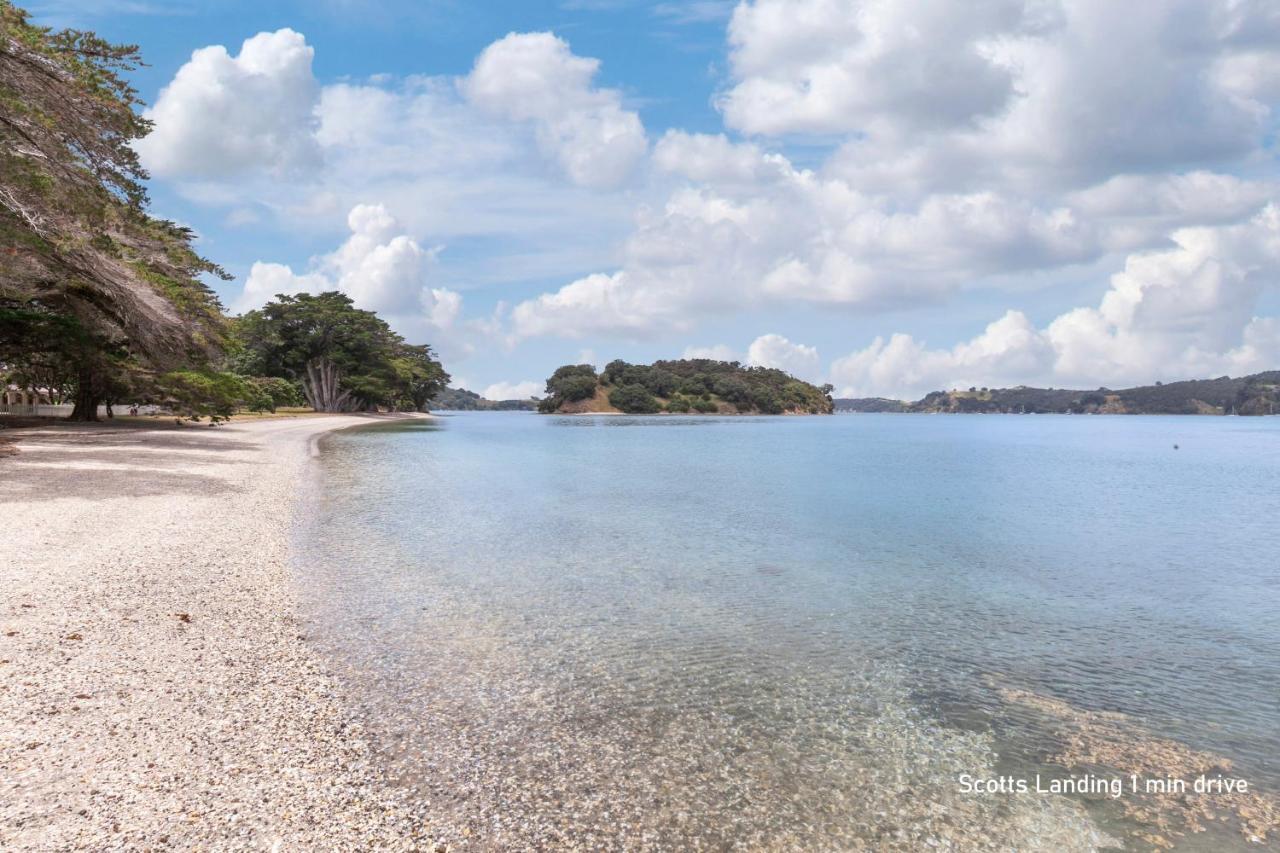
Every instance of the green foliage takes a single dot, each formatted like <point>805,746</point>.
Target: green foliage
<point>419,377</point>
<point>573,382</point>
<point>660,382</point>
<point>689,385</point>
<point>343,358</point>
<point>76,240</point>
<point>272,392</point>
<point>765,400</point>
<point>29,330</point>
<point>569,384</point>
<point>731,388</point>
<point>634,399</point>
<point>678,405</point>
<point>211,394</point>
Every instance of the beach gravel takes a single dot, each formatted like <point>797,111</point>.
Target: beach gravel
<point>155,689</point>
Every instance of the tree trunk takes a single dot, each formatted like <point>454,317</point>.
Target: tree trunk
<point>321,387</point>
<point>87,396</point>
<point>309,386</point>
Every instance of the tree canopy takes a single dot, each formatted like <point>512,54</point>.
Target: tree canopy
<point>342,357</point>
<point>687,385</point>
<point>569,384</point>
<point>91,287</point>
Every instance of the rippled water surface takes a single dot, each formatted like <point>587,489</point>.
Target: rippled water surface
<point>782,633</point>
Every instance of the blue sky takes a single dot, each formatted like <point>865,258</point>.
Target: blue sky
<point>892,196</point>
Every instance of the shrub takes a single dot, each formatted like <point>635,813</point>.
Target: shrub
<point>197,394</point>
<point>696,385</point>
<point>733,389</point>
<point>766,400</point>
<point>678,405</point>
<point>661,382</point>
<point>634,400</point>
<point>573,382</point>
<point>269,392</point>
<point>578,388</point>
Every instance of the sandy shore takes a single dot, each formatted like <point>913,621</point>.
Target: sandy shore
<point>155,691</point>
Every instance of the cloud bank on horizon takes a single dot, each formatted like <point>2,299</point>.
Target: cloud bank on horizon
<point>875,158</point>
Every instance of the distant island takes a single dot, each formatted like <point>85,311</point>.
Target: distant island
<point>687,386</point>
<point>1258,394</point>
<point>462,400</point>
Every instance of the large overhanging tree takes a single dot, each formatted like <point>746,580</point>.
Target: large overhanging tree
<point>89,283</point>
<point>345,359</point>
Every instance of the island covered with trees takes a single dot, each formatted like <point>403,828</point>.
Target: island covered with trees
<point>1258,394</point>
<point>686,386</point>
<point>101,302</point>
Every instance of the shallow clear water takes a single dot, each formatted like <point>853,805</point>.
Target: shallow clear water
<point>772,633</point>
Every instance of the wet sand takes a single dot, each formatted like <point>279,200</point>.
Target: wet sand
<point>155,689</point>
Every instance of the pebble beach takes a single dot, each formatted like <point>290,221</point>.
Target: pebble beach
<point>156,690</point>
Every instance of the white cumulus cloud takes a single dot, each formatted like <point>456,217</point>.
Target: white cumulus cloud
<point>512,390</point>
<point>718,352</point>
<point>223,115</point>
<point>536,78</point>
<point>776,351</point>
<point>380,268</point>
<point>758,230</point>
<point>831,66</point>
<point>1182,312</point>
<point>986,145</point>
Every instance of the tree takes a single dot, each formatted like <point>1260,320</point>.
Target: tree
<point>732,388</point>
<point>344,358</point>
<point>663,383</point>
<point>614,371</point>
<point>678,405</point>
<point>569,384</point>
<point>419,376</point>
<point>76,240</point>
<point>634,400</point>
<point>211,394</point>
<point>271,392</point>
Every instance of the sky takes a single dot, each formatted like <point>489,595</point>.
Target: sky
<point>893,196</point>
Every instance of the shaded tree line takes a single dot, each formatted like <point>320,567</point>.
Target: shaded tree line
<point>1258,394</point>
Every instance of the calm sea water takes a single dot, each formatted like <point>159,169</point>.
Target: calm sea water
<point>782,633</point>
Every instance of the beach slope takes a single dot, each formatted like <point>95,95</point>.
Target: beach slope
<point>156,689</point>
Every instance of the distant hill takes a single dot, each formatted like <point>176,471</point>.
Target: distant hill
<point>686,386</point>
<point>462,400</point>
<point>1258,394</point>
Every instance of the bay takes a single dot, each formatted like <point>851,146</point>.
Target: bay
<point>801,632</point>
